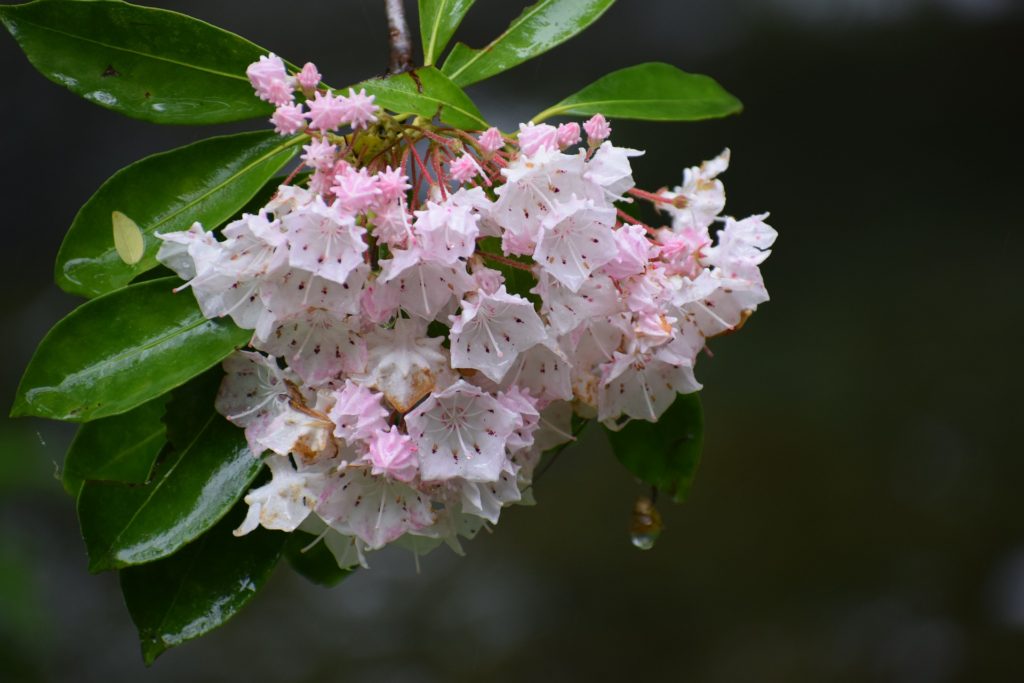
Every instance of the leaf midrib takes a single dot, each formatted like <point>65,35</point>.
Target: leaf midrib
<point>157,58</point>
<point>133,351</point>
<point>108,553</point>
<point>479,52</point>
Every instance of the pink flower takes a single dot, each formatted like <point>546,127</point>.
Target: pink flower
<point>597,128</point>
<point>319,154</point>
<point>464,169</point>
<point>634,250</point>
<point>393,454</point>
<point>326,111</point>
<point>309,77</point>
<point>270,79</point>
<point>568,134</point>
<point>359,109</point>
<point>288,119</point>
<point>357,413</point>
<point>393,184</point>
<point>535,137</point>
<point>491,140</point>
<point>355,190</point>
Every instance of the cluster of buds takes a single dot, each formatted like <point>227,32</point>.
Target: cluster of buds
<point>403,381</point>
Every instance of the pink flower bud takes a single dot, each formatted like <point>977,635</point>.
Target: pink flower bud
<point>597,129</point>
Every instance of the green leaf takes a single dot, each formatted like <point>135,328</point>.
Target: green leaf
<point>190,491</point>
<point>438,21</point>
<point>207,181</point>
<point>428,93</point>
<point>119,448</point>
<point>120,350</point>
<point>312,559</point>
<point>665,453</point>
<point>653,92</point>
<point>199,588</point>
<point>539,28</point>
<point>146,63</point>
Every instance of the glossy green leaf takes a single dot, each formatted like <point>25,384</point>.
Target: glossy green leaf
<point>118,448</point>
<point>438,21</point>
<point>199,588</point>
<point>539,28</point>
<point>146,63</point>
<point>665,453</point>
<point>207,181</point>
<point>428,93</point>
<point>120,350</point>
<point>653,92</point>
<point>311,558</point>
<point>189,492</point>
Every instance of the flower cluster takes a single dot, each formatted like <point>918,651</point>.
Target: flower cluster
<point>403,381</point>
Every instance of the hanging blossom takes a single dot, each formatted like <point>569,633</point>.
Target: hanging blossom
<point>401,383</point>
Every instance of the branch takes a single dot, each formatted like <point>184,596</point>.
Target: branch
<point>398,32</point>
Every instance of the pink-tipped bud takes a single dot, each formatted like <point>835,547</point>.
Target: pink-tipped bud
<point>308,78</point>
<point>288,119</point>
<point>568,134</point>
<point>464,169</point>
<point>597,128</point>
<point>491,140</point>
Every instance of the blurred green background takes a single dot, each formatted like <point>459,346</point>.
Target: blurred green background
<point>858,513</point>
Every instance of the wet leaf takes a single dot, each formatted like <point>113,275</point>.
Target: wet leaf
<point>207,181</point>
<point>428,93</point>
<point>120,350</point>
<point>438,21</point>
<point>118,448</point>
<point>200,587</point>
<point>652,91</point>
<point>189,492</point>
<point>664,454</point>
<point>539,28</point>
<point>312,559</point>
<point>146,63</point>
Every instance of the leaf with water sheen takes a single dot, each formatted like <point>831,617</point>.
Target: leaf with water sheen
<point>143,62</point>
<point>652,91</point>
<point>118,448</point>
<point>190,491</point>
<point>664,454</point>
<point>311,558</point>
<point>539,28</point>
<point>428,93</point>
<point>438,21</point>
<point>200,587</point>
<point>118,351</point>
<point>207,181</point>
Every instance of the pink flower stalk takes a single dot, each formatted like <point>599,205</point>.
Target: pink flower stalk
<point>597,128</point>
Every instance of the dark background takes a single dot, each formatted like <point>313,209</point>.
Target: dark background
<point>858,513</point>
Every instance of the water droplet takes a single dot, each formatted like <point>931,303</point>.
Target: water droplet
<point>643,541</point>
<point>644,524</point>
